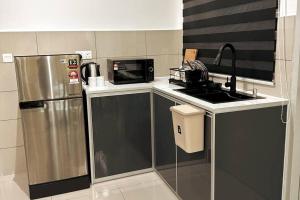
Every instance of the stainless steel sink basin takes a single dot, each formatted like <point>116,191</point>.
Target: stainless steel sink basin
<point>217,96</point>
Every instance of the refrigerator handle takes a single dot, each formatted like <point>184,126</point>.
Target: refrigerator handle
<point>31,105</point>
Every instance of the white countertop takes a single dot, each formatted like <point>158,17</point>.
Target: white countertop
<point>162,85</point>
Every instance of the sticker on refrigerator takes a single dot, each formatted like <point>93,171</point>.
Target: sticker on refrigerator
<point>73,64</point>
<point>73,77</point>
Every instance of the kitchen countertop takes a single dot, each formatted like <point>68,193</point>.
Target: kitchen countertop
<point>161,84</point>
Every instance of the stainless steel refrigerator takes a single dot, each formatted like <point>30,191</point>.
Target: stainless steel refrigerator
<point>51,104</point>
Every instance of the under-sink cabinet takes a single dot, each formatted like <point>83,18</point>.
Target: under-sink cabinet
<point>243,156</point>
<point>120,134</point>
<point>189,175</point>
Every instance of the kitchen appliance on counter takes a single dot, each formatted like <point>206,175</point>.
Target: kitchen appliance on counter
<point>50,99</point>
<point>89,70</point>
<point>125,71</point>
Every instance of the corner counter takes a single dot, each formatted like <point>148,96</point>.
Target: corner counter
<point>244,149</point>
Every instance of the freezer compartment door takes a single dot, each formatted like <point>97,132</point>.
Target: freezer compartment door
<point>55,140</point>
<point>48,77</point>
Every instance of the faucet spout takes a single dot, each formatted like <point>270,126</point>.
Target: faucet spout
<point>232,83</point>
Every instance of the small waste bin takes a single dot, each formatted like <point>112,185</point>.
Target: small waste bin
<point>188,125</point>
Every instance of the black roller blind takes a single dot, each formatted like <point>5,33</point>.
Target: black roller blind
<point>250,25</point>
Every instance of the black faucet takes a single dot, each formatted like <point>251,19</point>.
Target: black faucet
<point>232,83</point>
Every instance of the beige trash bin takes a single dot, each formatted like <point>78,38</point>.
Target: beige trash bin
<point>188,124</point>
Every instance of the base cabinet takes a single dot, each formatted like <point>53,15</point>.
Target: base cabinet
<point>247,147</point>
<point>249,154</point>
<point>164,143</point>
<point>194,170</point>
<point>188,174</point>
<point>121,133</point>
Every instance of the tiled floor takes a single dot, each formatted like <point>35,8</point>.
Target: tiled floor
<point>141,187</point>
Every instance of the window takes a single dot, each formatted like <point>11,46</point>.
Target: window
<point>250,25</point>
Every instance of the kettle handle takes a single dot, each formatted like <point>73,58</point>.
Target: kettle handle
<point>98,70</point>
<point>81,72</point>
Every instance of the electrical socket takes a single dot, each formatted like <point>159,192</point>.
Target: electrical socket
<point>7,57</point>
<point>85,54</point>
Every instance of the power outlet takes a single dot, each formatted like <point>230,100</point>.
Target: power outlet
<point>85,54</point>
<point>7,57</point>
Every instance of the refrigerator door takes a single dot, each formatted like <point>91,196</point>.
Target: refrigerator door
<point>48,77</point>
<point>55,140</point>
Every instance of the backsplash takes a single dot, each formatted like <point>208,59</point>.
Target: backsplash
<point>164,46</point>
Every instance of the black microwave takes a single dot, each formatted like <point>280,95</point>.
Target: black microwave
<point>125,71</point>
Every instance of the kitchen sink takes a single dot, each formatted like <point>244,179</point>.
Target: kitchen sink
<point>217,95</point>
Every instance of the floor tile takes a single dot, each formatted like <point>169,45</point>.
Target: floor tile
<point>10,190</point>
<point>77,195</point>
<point>147,186</point>
<point>118,183</point>
<point>155,190</point>
<point>152,176</point>
<point>106,194</point>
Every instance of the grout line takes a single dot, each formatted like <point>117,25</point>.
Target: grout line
<point>36,42</point>
<point>111,57</point>
<point>165,54</point>
<point>122,194</point>
<point>130,56</point>
<point>146,47</point>
<point>15,119</point>
<point>136,56</point>
<point>283,59</point>
<point>14,147</point>
<point>299,189</point>
<point>96,45</point>
<point>8,91</point>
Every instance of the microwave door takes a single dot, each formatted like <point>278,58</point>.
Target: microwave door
<point>130,75</point>
<point>131,72</point>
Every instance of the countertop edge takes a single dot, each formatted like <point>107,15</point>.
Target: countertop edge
<point>161,85</point>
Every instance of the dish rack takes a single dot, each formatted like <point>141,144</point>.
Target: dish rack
<point>186,78</point>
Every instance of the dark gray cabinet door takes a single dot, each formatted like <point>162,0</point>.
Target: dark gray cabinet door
<point>165,148</point>
<point>249,155</point>
<point>194,170</point>
<point>121,133</point>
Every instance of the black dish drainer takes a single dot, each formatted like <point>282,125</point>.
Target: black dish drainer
<point>190,79</point>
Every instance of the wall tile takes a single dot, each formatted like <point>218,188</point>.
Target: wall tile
<point>120,43</point>
<point>180,59</point>
<point>283,72</point>
<point>289,37</point>
<point>12,160</point>
<point>180,40</point>
<point>8,81</point>
<point>11,134</point>
<point>9,107</point>
<point>15,188</point>
<point>18,43</point>
<point>163,63</point>
<point>164,42</point>
<point>103,67</point>
<point>65,42</point>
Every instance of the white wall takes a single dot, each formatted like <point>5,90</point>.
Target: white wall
<point>68,15</point>
<point>288,7</point>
